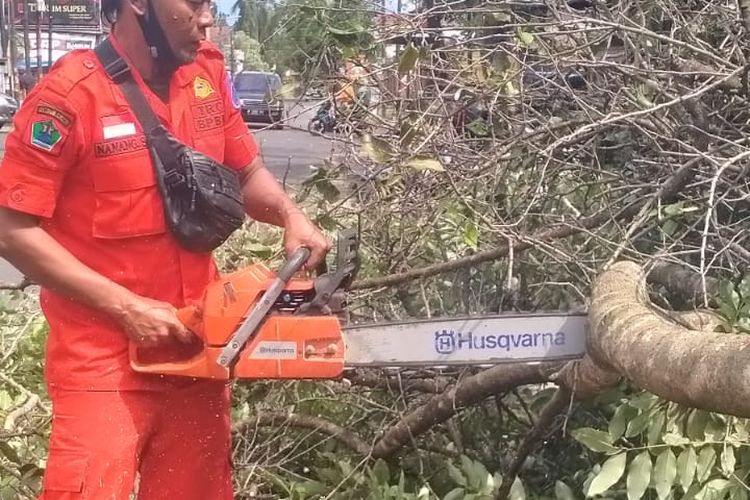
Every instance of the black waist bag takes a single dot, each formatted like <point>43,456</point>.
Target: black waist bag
<point>202,198</point>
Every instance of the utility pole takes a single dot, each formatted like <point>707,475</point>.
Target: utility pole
<point>49,34</point>
<point>12,47</point>
<point>26,43</point>
<point>39,8</point>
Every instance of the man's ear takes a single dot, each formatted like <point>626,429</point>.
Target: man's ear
<point>140,7</point>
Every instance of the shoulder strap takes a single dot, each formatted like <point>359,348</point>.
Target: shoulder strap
<point>119,71</point>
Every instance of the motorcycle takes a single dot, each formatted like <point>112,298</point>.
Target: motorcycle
<point>324,119</point>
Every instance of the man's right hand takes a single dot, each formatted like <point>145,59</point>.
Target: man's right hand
<point>150,322</point>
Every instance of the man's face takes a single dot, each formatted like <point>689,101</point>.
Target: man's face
<point>184,23</point>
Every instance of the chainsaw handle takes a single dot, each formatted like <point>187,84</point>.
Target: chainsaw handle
<point>293,264</point>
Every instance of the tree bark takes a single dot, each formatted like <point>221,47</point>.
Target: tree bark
<point>631,337</point>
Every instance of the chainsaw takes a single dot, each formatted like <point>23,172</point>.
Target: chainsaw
<point>258,324</point>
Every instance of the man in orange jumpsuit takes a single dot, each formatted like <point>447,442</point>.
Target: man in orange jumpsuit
<point>81,214</point>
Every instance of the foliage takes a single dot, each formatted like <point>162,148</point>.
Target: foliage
<point>253,59</point>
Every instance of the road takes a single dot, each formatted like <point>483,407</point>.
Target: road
<point>289,153</point>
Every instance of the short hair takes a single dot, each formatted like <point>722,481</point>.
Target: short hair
<point>110,8</point>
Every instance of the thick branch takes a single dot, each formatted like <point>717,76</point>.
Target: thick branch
<point>467,392</point>
<point>706,370</point>
<point>269,419</point>
<point>683,282</point>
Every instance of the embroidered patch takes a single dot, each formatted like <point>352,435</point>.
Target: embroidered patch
<point>44,135</point>
<point>208,116</point>
<point>117,126</point>
<point>202,88</point>
<point>64,118</point>
<point>120,146</point>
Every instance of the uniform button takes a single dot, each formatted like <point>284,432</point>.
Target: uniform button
<point>17,195</point>
<point>88,63</point>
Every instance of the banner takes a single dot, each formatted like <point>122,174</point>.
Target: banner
<point>65,13</point>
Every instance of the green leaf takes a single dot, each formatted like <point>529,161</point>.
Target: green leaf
<point>563,491</point>
<point>737,491</point>
<point>424,163</point>
<point>728,460</point>
<point>639,475</point>
<point>744,287</point>
<point>380,472</point>
<point>471,235</point>
<point>706,461</point>
<point>517,491</point>
<point>696,425</point>
<point>475,472</point>
<point>637,425</point>
<point>610,473</point>
<point>455,474</point>
<point>619,421</point>
<point>455,494</point>
<point>408,59</point>
<point>673,439</point>
<point>594,440</point>
<point>525,38</point>
<point>378,150</point>
<point>655,428</point>
<point>665,472</point>
<point>686,464</point>
<point>9,452</point>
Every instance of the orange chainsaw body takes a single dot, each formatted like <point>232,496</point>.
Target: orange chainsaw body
<point>286,345</point>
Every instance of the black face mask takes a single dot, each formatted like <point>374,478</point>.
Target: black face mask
<point>157,40</point>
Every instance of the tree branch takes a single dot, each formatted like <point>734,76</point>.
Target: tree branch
<point>268,419</point>
<point>467,392</point>
<point>627,336</point>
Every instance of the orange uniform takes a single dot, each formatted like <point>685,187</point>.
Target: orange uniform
<point>77,158</point>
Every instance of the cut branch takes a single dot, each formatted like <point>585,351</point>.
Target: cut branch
<point>466,393</point>
<point>269,419</point>
<point>628,336</point>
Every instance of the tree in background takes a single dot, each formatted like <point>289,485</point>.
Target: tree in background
<point>251,49</point>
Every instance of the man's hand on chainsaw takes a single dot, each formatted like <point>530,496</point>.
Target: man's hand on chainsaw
<point>301,232</point>
<point>150,322</point>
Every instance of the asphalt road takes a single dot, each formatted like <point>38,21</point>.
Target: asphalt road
<point>289,154</point>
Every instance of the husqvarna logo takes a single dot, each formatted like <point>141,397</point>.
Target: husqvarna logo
<point>445,341</point>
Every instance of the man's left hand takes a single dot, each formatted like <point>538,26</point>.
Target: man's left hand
<point>301,232</point>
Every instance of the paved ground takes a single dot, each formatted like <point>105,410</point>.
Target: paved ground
<point>288,153</point>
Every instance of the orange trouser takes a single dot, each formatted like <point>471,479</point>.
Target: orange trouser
<point>179,441</point>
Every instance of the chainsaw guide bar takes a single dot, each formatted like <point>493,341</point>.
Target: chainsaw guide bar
<point>259,324</point>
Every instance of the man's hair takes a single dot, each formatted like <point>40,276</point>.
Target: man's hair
<point>109,10</point>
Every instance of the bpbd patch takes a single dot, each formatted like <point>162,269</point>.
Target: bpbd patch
<point>45,135</point>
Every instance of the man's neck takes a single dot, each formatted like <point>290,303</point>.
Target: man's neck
<point>130,39</point>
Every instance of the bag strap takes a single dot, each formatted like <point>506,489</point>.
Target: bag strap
<point>119,71</point>
<point>156,134</point>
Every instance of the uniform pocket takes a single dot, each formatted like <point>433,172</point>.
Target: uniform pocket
<point>127,199</point>
<point>66,471</point>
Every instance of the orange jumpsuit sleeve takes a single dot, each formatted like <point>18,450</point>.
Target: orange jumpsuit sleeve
<point>42,146</point>
<point>240,148</point>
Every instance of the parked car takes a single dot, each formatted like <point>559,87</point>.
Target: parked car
<point>8,108</point>
<point>258,92</point>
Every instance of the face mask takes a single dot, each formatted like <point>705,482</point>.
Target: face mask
<point>156,40</point>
